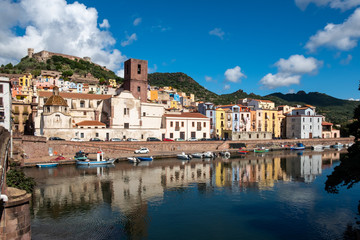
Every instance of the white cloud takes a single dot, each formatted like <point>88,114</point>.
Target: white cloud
<point>105,24</point>
<point>234,74</point>
<point>137,21</point>
<point>290,71</point>
<point>279,80</point>
<point>208,79</point>
<point>337,4</point>
<point>129,40</point>
<point>291,91</point>
<point>298,64</point>
<point>347,60</point>
<point>161,28</point>
<point>217,32</point>
<point>226,86</point>
<point>352,99</point>
<point>55,26</point>
<point>120,73</point>
<point>342,36</point>
<point>153,69</point>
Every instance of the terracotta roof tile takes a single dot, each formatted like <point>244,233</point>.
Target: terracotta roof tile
<point>90,123</point>
<point>326,124</point>
<point>76,95</point>
<point>55,100</point>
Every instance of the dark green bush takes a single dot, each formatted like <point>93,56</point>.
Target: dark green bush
<point>16,178</point>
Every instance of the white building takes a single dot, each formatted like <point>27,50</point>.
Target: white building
<point>5,103</point>
<point>186,126</point>
<point>303,123</point>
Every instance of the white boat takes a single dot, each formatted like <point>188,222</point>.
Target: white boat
<point>337,145</point>
<point>100,160</point>
<point>133,160</point>
<point>326,146</point>
<point>197,155</point>
<point>224,154</point>
<point>183,156</point>
<point>317,147</point>
<point>208,155</point>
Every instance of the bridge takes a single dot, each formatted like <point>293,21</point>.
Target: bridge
<point>15,216</point>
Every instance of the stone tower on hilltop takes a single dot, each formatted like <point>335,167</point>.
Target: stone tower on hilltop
<point>30,52</point>
<point>136,78</point>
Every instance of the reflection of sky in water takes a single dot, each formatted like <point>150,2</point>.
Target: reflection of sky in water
<point>255,198</point>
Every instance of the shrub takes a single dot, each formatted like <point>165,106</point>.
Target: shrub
<point>16,178</point>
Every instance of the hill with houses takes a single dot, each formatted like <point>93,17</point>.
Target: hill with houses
<point>336,110</point>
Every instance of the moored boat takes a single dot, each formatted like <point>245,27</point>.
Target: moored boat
<point>243,151</point>
<point>133,160</point>
<point>317,147</point>
<point>261,150</point>
<point>197,155</point>
<point>337,145</point>
<point>47,165</point>
<point>100,160</point>
<point>183,156</point>
<point>298,146</point>
<point>225,154</point>
<point>208,155</point>
<point>145,159</point>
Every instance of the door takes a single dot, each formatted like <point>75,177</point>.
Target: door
<point>310,135</point>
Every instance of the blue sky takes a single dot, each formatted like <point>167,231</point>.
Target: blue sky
<point>257,46</point>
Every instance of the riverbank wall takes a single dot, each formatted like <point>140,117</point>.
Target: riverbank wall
<point>30,148</point>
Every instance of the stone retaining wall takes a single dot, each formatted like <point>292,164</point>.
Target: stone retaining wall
<point>39,147</point>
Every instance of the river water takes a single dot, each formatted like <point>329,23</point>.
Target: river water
<point>277,195</point>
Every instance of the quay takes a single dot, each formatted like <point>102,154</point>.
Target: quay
<point>32,150</point>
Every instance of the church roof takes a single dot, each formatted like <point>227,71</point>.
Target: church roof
<point>56,100</point>
<point>90,123</point>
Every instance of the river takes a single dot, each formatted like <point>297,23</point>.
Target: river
<point>276,195</point>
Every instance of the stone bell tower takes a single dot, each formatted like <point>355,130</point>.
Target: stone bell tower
<point>136,78</point>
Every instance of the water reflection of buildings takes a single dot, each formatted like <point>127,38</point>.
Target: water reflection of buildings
<point>128,189</point>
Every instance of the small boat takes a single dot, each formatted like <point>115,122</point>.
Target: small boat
<point>317,147</point>
<point>337,145</point>
<point>243,151</point>
<point>298,146</point>
<point>95,162</point>
<point>145,159</point>
<point>183,156</point>
<point>133,160</point>
<point>208,155</point>
<point>225,154</point>
<point>197,155</point>
<point>95,166</point>
<point>59,158</point>
<point>80,155</point>
<point>261,150</point>
<point>47,165</point>
<point>327,146</point>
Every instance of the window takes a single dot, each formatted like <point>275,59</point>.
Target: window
<point>193,134</point>
<point>2,116</point>
<point>96,134</point>
<point>57,118</point>
<point>1,102</point>
<point>139,69</point>
<point>210,113</point>
<point>1,88</point>
<point>204,135</point>
<point>257,135</point>
<point>82,104</point>
<point>144,114</point>
<point>273,115</point>
<point>171,135</point>
<point>318,120</point>
<point>82,135</point>
<point>199,126</point>
<point>126,111</point>
<point>171,124</point>
<point>310,119</point>
<point>126,125</point>
<point>182,124</point>
<point>138,88</point>
<point>193,124</point>
<point>264,135</point>
<point>204,124</point>
<point>84,113</point>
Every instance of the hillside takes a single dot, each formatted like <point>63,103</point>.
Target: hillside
<point>336,110</point>
<point>57,63</point>
<point>182,82</point>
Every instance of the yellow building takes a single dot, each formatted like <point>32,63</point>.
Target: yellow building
<point>25,81</point>
<point>154,95</point>
<point>219,122</point>
<point>174,104</point>
<point>113,83</point>
<point>270,122</point>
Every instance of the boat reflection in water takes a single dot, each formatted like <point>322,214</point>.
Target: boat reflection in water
<point>130,201</point>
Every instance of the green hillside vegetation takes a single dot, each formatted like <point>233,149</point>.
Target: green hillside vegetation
<point>182,82</point>
<point>57,63</point>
